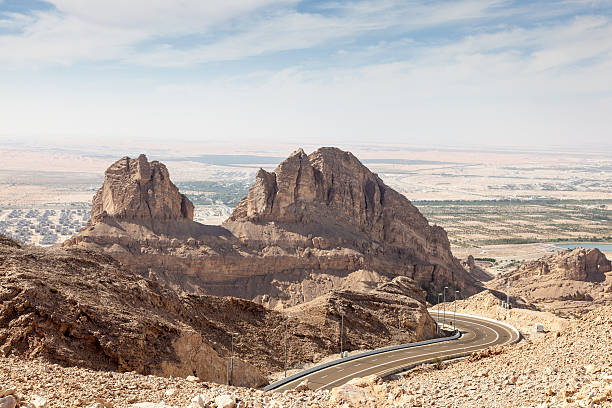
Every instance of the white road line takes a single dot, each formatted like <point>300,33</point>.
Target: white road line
<point>459,319</point>
<point>408,358</point>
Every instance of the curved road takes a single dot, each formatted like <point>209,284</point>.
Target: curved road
<point>477,334</point>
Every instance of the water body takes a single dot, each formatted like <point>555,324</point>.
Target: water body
<point>604,247</point>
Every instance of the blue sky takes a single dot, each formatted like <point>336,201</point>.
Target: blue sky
<point>462,72</point>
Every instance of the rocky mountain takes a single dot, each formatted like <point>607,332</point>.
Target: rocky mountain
<point>302,230</point>
<point>137,189</point>
<point>80,308</point>
<point>568,281</point>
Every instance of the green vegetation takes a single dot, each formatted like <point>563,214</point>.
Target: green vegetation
<point>214,192</point>
<point>492,260</point>
<point>474,223</point>
<point>438,364</point>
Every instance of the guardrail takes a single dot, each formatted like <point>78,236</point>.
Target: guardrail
<point>455,336</point>
<point>518,334</point>
<point>460,355</point>
<point>314,369</point>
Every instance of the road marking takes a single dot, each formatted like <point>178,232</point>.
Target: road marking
<point>322,377</point>
<point>465,340</point>
<point>407,358</point>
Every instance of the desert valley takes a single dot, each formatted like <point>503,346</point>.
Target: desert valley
<point>144,306</point>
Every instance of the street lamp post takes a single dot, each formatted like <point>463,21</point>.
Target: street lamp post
<point>341,332</point>
<point>399,327</point>
<point>455,316</point>
<point>231,376</point>
<point>444,307</point>
<point>438,320</point>
<point>286,343</point>
<point>508,294</point>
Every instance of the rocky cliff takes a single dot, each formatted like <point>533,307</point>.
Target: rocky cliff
<point>580,264</point>
<point>80,308</point>
<point>392,312</point>
<point>137,189</point>
<point>569,281</point>
<point>302,230</point>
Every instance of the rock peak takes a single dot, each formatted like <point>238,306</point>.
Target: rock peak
<point>298,152</point>
<point>328,183</point>
<point>139,189</point>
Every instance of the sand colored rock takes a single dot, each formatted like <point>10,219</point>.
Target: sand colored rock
<point>328,200</point>
<point>137,188</point>
<point>81,308</point>
<point>302,230</point>
<point>573,281</point>
<point>76,307</point>
<point>380,310</point>
<point>580,264</point>
<point>570,367</point>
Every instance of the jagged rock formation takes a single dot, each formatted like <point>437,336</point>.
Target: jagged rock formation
<point>581,264</point>
<point>559,281</point>
<point>301,231</point>
<point>329,201</point>
<point>137,189</point>
<point>81,308</point>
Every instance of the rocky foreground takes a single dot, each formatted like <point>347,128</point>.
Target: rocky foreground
<point>81,308</point>
<point>570,367</point>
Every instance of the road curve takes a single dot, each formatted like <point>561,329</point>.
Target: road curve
<point>476,334</point>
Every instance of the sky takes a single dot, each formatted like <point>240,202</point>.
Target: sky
<point>452,73</point>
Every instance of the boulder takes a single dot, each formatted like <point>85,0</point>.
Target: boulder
<point>225,401</point>
<point>8,402</point>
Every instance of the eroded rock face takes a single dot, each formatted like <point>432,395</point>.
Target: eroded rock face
<point>578,265</point>
<point>373,317</point>
<point>329,200</point>
<point>332,186</point>
<point>80,308</point>
<point>302,230</point>
<point>568,281</point>
<point>135,188</point>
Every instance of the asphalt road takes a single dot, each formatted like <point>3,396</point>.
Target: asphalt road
<point>477,334</point>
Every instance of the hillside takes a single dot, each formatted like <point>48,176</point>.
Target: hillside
<point>80,308</point>
<point>573,281</point>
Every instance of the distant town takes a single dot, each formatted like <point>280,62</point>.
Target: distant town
<point>42,226</point>
<point>53,224</point>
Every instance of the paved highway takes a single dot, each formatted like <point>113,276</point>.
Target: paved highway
<point>477,334</point>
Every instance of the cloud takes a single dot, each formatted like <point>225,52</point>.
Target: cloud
<point>153,32</point>
<point>463,70</point>
<point>161,17</point>
<point>96,30</point>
